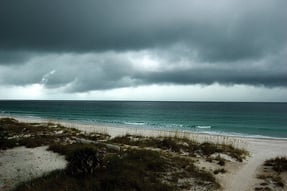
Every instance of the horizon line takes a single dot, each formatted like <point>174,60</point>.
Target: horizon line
<point>122,100</point>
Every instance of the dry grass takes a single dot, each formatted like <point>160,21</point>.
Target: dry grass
<point>182,145</point>
<point>14,133</point>
<point>279,164</point>
<point>271,176</point>
<point>96,163</point>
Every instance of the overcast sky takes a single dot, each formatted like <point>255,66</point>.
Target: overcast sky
<point>197,50</point>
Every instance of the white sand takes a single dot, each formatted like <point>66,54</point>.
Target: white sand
<point>240,178</point>
<point>261,150</point>
<point>21,164</point>
<point>114,131</point>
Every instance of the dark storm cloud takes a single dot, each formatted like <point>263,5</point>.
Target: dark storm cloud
<point>102,71</point>
<point>222,76</point>
<point>87,45</point>
<point>14,57</point>
<point>225,30</point>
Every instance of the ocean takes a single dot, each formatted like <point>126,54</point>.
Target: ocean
<point>228,118</point>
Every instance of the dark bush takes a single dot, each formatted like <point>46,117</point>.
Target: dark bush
<point>136,170</point>
<point>84,162</point>
<point>2,136</point>
<point>279,164</point>
<point>220,160</point>
<point>208,148</point>
<point>5,143</point>
<point>217,171</point>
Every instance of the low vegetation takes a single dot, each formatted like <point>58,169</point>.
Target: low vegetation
<point>97,162</point>
<point>272,175</point>
<point>84,162</point>
<point>133,169</point>
<point>221,170</point>
<point>279,164</point>
<point>14,133</point>
<point>182,145</point>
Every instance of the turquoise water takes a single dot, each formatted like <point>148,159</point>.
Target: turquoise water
<point>231,118</point>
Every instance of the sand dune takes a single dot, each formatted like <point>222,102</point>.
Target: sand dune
<point>239,178</point>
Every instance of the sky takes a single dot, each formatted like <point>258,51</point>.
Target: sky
<point>169,50</point>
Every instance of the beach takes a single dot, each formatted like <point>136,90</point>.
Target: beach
<point>260,150</point>
<point>240,177</point>
<point>150,95</point>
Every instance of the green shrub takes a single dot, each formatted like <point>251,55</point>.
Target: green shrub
<point>84,162</point>
<point>5,143</point>
<point>208,148</point>
<point>220,160</point>
<point>2,137</point>
<point>279,164</point>
<point>135,170</point>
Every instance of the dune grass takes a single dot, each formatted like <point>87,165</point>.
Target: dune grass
<point>180,145</point>
<point>271,176</point>
<point>278,164</point>
<point>14,133</point>
<point>133,169</point>
<point>98,162</point>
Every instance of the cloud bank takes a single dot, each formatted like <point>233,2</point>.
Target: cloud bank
<point>82,46</point>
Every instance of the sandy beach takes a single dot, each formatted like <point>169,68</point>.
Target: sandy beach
<point>260,150</point>
<point>241,177</point>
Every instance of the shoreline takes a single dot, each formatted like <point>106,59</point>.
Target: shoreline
<point>114,130</point>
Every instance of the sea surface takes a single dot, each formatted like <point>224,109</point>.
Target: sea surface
<point>228,118</point>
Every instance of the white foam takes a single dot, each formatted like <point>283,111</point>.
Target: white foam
<point>203,127</point>
<point>134,123</point>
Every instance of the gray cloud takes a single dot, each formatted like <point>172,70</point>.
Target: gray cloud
<point>225,30</point>
<point>14,57</point>
<point>79,72</point>
<point>90,45</point>
<point>101,71</point>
